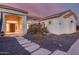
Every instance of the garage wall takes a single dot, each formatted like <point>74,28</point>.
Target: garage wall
<point>61,25</point>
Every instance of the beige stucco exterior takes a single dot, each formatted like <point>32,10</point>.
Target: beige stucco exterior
<point>20,26</point>
<point>61,25</point>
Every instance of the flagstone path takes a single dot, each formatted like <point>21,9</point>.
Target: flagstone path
<point>32,47</point>
<point>36,49</point>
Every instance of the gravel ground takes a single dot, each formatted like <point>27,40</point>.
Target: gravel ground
<point>10,46</point>
<point>53,42</point>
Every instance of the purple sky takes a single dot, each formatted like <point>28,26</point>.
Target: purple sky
<point>37,9</point>
<point>45,9</point>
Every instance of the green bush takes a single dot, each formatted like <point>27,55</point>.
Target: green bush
<point>32,30</point>
<point>37,29</point>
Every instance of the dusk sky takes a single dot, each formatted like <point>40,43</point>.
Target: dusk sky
<point>45,9</point>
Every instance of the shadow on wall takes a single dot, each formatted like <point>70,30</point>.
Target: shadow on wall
<point>77,27</point>
<point>1,15</point>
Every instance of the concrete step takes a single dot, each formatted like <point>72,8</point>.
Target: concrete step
<point>32,48</point>
<point>41,51</point>
<point>28,44</point>
<point>58,52</point>
<point>22,40</point>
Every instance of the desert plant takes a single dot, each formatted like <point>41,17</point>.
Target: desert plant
<point>37,29</point>
<point>32,30</point>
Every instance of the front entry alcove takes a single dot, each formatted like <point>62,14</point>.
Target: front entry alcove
<point>13,24</point>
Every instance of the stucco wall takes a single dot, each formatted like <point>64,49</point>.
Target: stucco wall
<point>30,21</point>
<point>61,25</point>
<point>24,24</point>
<point>3,23</point>
<point>68,26</point>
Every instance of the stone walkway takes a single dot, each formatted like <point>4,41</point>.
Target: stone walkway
<point>32,47</point>
<point>36,49</point>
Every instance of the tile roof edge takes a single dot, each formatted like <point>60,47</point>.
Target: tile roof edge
<point>12,8</point>
<point>59,14</point>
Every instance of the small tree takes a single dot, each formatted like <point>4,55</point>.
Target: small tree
<point>37,29</point>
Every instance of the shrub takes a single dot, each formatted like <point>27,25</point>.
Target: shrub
<point>37,29</point>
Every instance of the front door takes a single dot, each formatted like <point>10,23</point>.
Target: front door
<point>12,27</point>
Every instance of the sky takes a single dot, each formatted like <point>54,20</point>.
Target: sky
<point>45,9</point>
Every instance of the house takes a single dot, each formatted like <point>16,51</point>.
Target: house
<point>12,20</point>
<point>61,23</point>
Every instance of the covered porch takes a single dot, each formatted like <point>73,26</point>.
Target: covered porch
<point>13,24</point>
